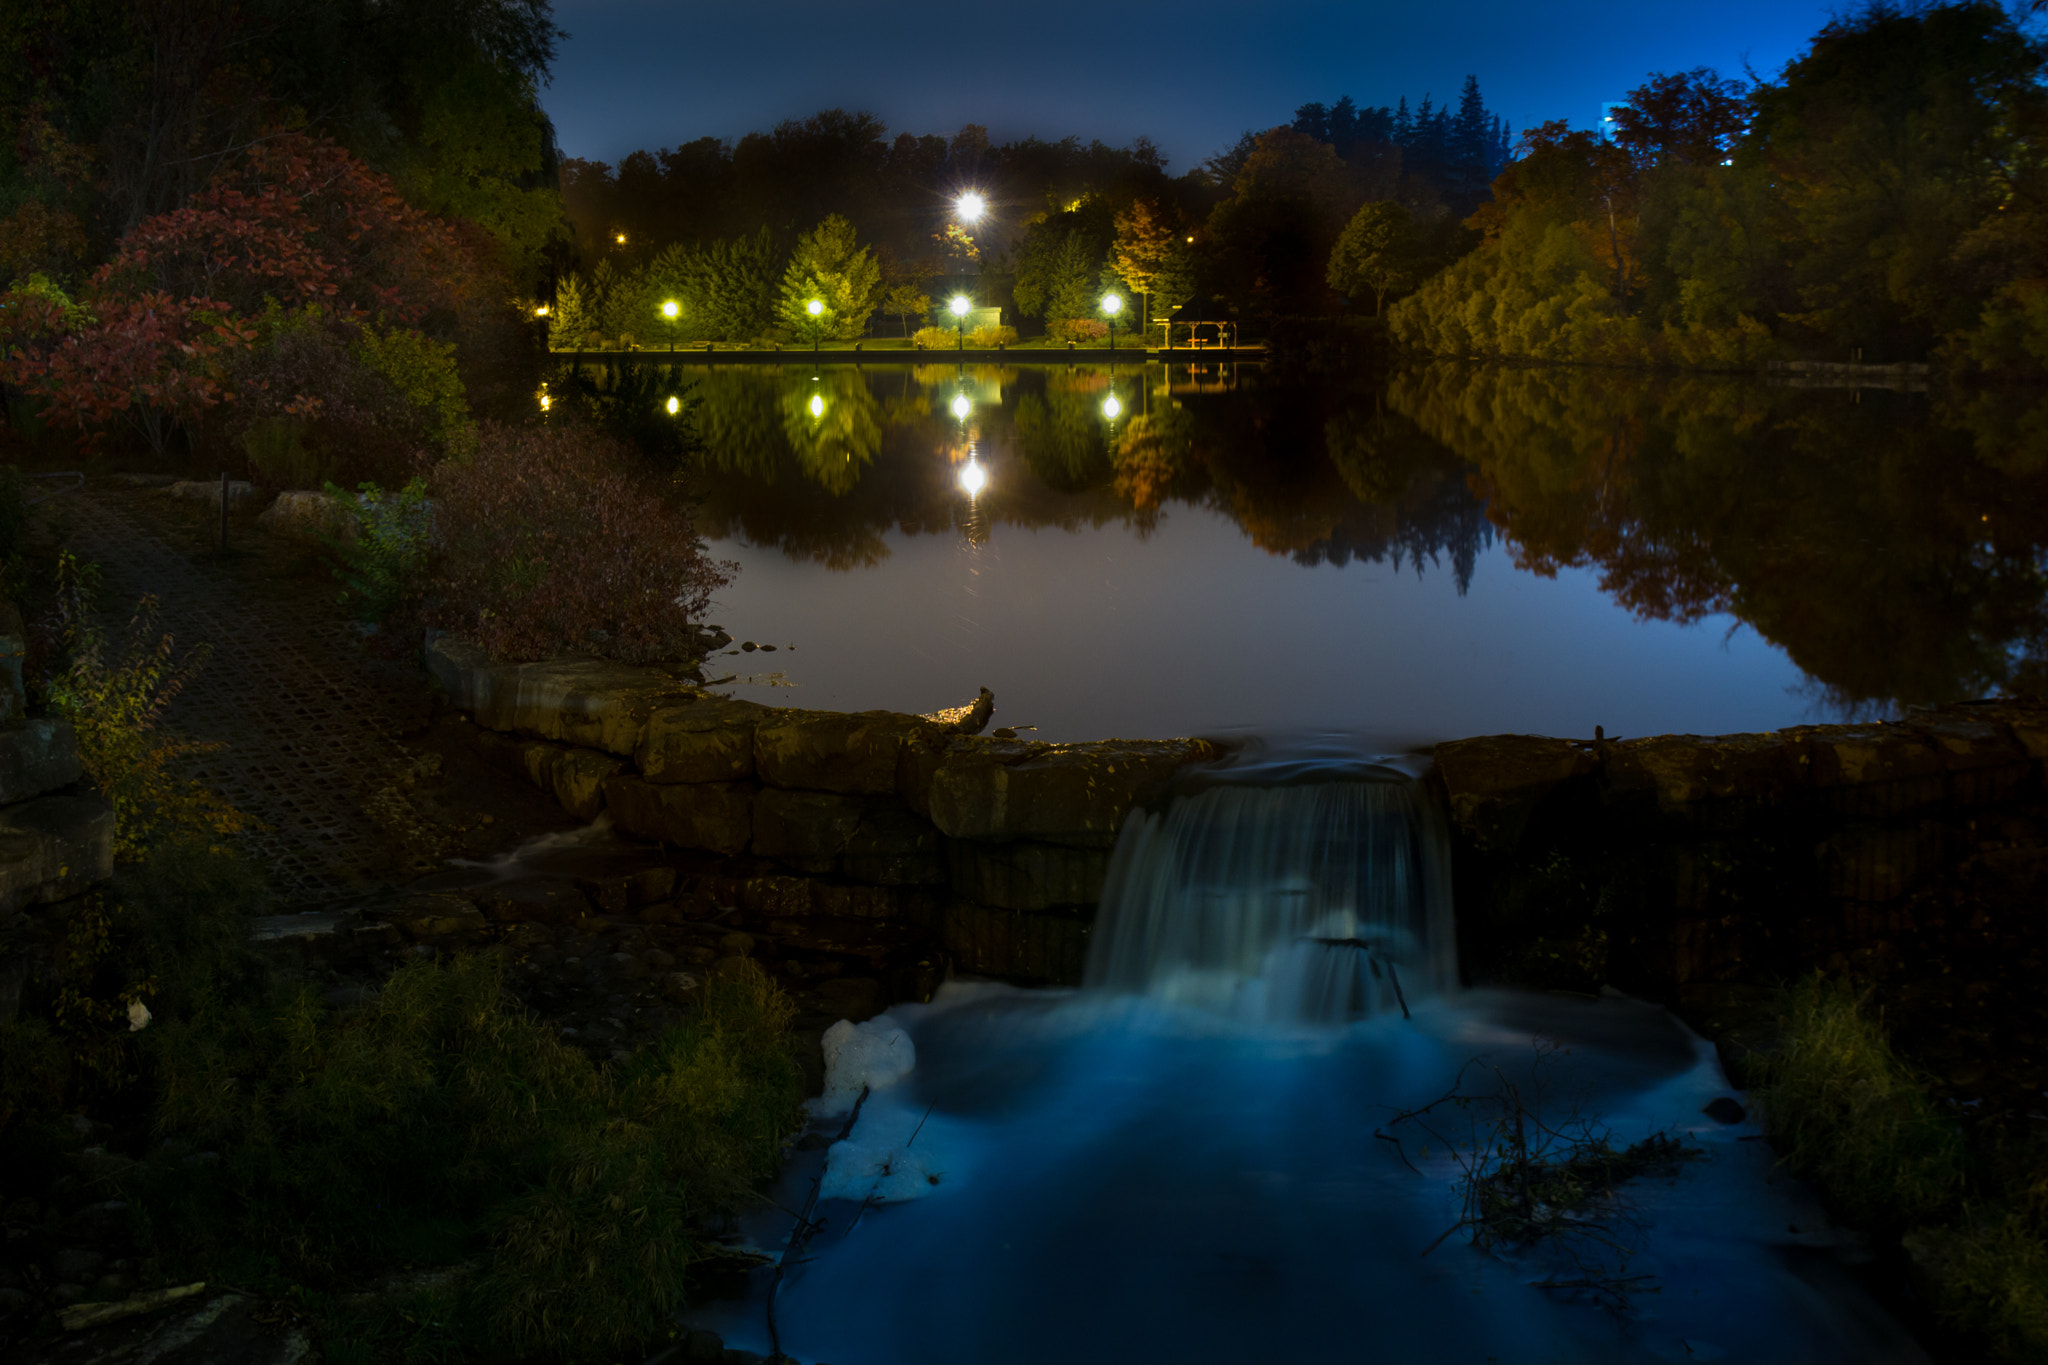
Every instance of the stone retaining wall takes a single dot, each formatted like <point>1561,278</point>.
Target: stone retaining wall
<point>1678,864</point>
<point>1657,864</point>
<point>806,820</point>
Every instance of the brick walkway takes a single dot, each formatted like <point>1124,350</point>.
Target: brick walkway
<point>308,720</point>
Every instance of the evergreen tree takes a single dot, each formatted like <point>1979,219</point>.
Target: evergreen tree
<point>829,266</point>
<point>570,321</point>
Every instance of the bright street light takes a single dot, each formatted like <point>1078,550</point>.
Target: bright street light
<point>972,206</point>
<point>960,305</point>
<point>815,307</point>
<point>1112,305</point>
<point>669,310</point>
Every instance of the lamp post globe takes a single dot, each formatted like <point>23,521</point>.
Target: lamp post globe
<point>1112,305</point>
<point>671,310</point>
<point>971,206</point>
<point>960,305</point>
<point>816,308</point>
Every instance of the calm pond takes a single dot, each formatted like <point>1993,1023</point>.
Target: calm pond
<point>1436,552</point>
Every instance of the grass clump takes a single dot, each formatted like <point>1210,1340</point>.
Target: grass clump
<point>1991,1272</point>
<point>1853,1118</point>
<point>439,1124</point>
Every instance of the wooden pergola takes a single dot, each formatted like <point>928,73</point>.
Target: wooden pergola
<point>1201,319</point>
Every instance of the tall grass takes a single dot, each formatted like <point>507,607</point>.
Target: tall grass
<point>1853,1118</point>
<point>440,1123</point>
<point>1859,1122</point>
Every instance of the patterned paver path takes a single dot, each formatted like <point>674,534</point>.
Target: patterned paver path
<point>306,717</point>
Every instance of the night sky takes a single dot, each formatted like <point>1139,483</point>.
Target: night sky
<point>1191,75</point>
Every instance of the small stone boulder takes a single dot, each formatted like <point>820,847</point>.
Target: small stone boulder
<point>240,492</point>
<point>715,816</point>
<point>305,515</point>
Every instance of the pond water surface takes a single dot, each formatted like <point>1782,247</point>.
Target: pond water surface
<point>1408,557</point>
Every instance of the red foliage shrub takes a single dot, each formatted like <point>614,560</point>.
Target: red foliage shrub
<point>295,221</point>
<point>1077,329</point>
<point>554,542</point>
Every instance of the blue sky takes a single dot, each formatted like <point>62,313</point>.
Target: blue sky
<point>1191,75</point>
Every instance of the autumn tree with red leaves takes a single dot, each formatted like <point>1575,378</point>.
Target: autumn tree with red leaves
<point>297,223</point>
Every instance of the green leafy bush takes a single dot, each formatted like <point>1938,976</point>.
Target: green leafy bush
<point>383,567</point>
<point>935,338</point>
<point>115,703</point>
<point>989,338</point>
<point>1992,1277</point>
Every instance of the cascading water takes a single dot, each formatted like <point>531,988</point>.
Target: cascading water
<point>1320,900</point>
<point>1184,1162</point>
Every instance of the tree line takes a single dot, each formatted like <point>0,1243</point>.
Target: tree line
<point>1884,198</point>
<point>725,229</point>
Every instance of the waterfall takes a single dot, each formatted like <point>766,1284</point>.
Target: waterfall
<point>1303,891</point>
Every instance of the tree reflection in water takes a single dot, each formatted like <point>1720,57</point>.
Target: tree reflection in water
<point>1891,544</point>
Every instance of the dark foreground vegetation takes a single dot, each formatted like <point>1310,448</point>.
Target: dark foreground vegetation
<point>264,1139</point>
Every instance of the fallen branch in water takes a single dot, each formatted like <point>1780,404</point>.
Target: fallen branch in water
<point>801,1231</point>
<point>1374,959</point>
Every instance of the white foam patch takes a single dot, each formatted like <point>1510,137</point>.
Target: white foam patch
<point>874,1056</point>
<point>896,1152</point>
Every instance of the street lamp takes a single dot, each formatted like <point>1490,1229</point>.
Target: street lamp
<point>669,310</point>
<point>972,206</point>
<point>960,305</point>
<point>816,308</point>
<point>1113,305</point>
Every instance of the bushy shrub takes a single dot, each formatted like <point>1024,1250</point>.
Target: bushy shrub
<point>935,338</point>
<point>553,540</point>
<point>989,338</point>
<point>315,402</point>
<point>1992,1278</point>
<point>384,563</point>
<point>114,702</point>
<point>1082,330</point>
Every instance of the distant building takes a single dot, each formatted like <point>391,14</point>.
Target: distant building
<point>1608,127</point>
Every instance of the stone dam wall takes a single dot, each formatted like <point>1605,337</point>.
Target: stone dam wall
<point>1671,866</point>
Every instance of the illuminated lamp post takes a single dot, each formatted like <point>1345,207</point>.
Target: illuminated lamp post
<point>542,313</point>
<point>816,308</point>
<point>960,305</point>
<point>1113,305</point>
<point>971,206</point>
<point>670,311</point>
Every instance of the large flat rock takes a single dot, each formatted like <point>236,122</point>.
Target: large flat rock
<point>594,703</point>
